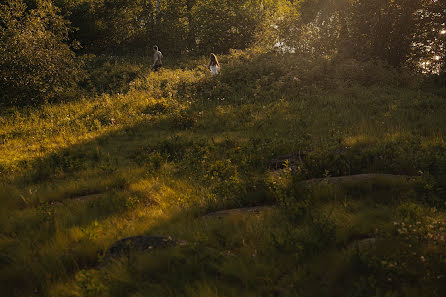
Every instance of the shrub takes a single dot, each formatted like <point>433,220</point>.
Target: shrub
<point>184,120</point>
<point>35,62</point>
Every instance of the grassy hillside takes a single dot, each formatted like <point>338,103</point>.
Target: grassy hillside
<point>175,145</point>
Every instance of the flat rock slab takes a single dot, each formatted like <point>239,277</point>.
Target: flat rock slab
<point>140,244</point>
<point>363,244</point>
<point>357,178</point>
<point>245,210</point>
<point>295,159</point>
<point>292,160</point>
<point>86,197</point>
<point>56,203</point>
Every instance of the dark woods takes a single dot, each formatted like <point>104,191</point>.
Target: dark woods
<point>42,43</point>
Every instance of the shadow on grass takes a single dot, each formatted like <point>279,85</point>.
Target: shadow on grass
<point>221,161</point>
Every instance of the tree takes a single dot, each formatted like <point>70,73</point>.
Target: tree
<point>428,45</point>
<point>382,29</point>
<point>177,26</point>
<point>399,32</point>
<point>36,63</point>
<point>221,25</point>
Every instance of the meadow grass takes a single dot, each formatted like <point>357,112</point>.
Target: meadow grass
<point>160,152</point>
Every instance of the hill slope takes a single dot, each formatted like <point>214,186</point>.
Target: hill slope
<point>78,176</point>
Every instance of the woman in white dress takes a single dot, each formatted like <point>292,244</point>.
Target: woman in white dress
<point>214,66</point>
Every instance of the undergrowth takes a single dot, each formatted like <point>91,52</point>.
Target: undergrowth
<point>163,149</point>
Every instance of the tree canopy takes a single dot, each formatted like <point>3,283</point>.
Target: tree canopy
<point>399,32</point>
<point>38,58</point>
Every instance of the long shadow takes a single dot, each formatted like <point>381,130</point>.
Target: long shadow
<point>243,80</point>
<point>171,140</point>
<point>114,152</point>
<point>87,153</point>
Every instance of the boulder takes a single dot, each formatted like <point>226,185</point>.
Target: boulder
<point>363,244</point>
<point>293,160</point>
<point>358,178</point>
<point>140,244</point>
<point>244,210</point>
<point>86,198</point>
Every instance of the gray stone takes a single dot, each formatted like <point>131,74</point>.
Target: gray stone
<point>140,244</point>
<point>363,244</point>
<point>55,203</point>
<point>245,210</point>
<point>86,197</point>
<point>293,160</point>
<point>357,178</point>
<point>297,159</point>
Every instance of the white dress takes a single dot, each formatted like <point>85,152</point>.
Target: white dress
<point>214,69</point>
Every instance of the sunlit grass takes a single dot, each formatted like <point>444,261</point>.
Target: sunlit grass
<point>180,143</point>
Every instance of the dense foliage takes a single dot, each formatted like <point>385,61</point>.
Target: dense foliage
<point>36,63</point>
<point>400,32</point>
<point>37,37</point>
<point>96,147</point>
<point>175,145</point>
<point>178,26</point>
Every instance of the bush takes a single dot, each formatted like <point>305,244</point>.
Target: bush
<point>35,62</point>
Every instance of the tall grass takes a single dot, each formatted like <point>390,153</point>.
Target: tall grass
<point>171,146</point>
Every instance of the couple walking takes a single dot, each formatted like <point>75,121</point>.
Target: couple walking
<point>214,66</point>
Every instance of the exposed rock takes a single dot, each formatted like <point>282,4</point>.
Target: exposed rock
<point>55,203</point>
<point>140,244</point>
<point>297,159</point>
<point>367,241</point>
<point>291,160</point>
<point>363,244</point>
<point>357,178</point>
<point>86,197</point>
<point>245,210</point>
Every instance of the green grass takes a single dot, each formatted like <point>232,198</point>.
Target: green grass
<point>177,144</point>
